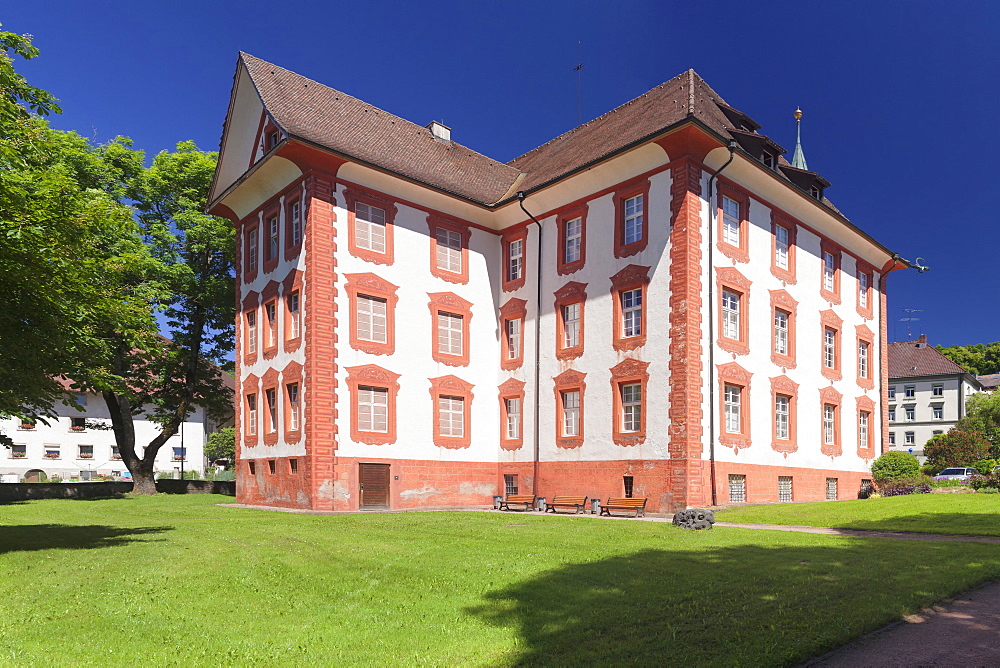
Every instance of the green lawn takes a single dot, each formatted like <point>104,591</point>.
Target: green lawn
<point>955,514</point>
<point>176,580</point>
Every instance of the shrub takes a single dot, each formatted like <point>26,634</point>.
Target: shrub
<point>985,466</point>
<point>981,482</point>
<point>930,469</point>
<point>903,486</point>
<point>894,465</point>
<point>957,448</point>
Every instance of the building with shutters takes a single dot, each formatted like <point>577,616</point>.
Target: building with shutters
<point>654,304</point>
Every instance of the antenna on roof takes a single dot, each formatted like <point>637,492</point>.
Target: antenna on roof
<point>908,319</point>
<point>579,79</point>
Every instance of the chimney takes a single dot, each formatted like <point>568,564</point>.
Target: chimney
<point>922,341</point>
<point>439,130</point>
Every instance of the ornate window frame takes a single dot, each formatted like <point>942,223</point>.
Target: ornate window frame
<point>863,267</point>
<point>830,397</point>
<point>570,380</point>
<point>452,386</point>
<point>830,320</point>
<point>786,275</point>
<point>782,301</point>
<point>829,247</point>
<point>371,285</point>
<point>786,387</point>
<point>292,375</point>
<point>728,278</point>
<point>269,296</point>
<point>512,388</point>
<point>865,335</point>
<point>866,405</point>
<point>624,192</point>
<point>732,373</point>
<point>513,309</point>
<point>292,285</point>
<point>632,277</point>
<point>449,302</point>
<point>739,253</point>
<point>564,268</point>
<point>464,232</point>
<point>571,293</point>
<point>509,284</point>
<point>353,196</point>
<point>372,375</point>
<point>628,372</point>
<point>251,304</point>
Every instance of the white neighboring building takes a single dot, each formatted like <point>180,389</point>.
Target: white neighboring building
<point>68,448</point>
<point>927,394</point>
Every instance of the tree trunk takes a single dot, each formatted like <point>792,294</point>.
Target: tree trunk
<point>143,481</point>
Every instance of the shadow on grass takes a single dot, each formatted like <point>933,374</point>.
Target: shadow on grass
<point>969,524</point>
<point>737,605</point>
<point>31,537</point>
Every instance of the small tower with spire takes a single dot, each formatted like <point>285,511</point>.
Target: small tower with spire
<point>798,158</point>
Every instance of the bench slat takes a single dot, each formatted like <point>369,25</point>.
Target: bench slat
<point>638,505</point>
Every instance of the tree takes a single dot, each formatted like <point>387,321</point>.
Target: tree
<point>956,448</point>
<point>66,239</point>
<point>982,415</point>
<point>222,445</point>
<point>194,286</point>
<point>978,359</point>
<point>893,465</point>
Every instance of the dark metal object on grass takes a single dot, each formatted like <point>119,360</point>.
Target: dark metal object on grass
<point>694,518</point>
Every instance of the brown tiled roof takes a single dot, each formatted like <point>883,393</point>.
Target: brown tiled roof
<point>915,358</point>
<point>319,114</point>
<point>990,381</point>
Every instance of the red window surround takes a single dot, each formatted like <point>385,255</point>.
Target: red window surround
<point>830,320</point>
<point>251,251</point>
<point>370,375</point>
<point>571,293</point>
<point>294,206</point>
<point>292,375</point>
<point>512,388</point>
<point>452,386</point>
<point>463,230</point>
<point>866,450</point>
<point>829,247</point>
<point>784,386</point>
<point>732,373</point>
<point>569,381</point>
<point>831,397</point>
<point>509,284</point>
<point>739,253</point>
<point>786,275</point>
<point>729,279</point>
<point>351,197</point>
<point>866,312</point>
<point>251,427</point>
<point>630,278</point>
<point>371,285</point>
<point>865,335</point>
<point>781,300</point>
<point>449,302</point>
<point>292,285</point>
<point>514,309</point>
<point>564,268</point>
<point>271,255</point>
<point>627,372</point>
<point>251,305</point>
<point>269,384</point>
<point>268,321</point>
<point>624,192</point>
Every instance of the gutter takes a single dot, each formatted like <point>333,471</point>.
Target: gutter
<point>538,340</point>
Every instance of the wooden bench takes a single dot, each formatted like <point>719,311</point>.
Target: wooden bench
<point>638,505</point>
<point>528,500</point>
<point>579,503</point>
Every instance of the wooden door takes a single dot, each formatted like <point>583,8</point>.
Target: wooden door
<point>374,483</point>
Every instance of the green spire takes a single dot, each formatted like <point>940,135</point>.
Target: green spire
<point>798,158</point>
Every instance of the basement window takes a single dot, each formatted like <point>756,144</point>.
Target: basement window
<point>510,484</point>
<point>253,468</point>
<point>293,465</point>
<point>628,486</point>
<point>271,467</point>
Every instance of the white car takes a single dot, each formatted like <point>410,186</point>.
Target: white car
<point>961,473</point>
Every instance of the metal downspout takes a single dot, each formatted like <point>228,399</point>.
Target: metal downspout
<point>538,339</point>
<point>711,318</point>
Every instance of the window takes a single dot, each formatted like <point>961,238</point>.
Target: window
<point>631,301</point>
<point>571,413</point>
<point>831,489</point>
<point>293,465</point>
<point>449,249</point>
<point>512,315</point>
<point>451,416</point>
<point>864,433</point>
<point>829,271</point>
<point>27,424</point>
<point>936,432</point>
<point>292,392</point>
<point>938,411</point>
<point>252,468</point>
<point>937,389</point>
<point>733,289</point>
<point>829,348</point>
<point>251,415</point>
<point>515,259</point>
<point>513,333</point>
<point>737,488</point>
<point>829,424</point>
<point>272,411</point>
<point>294,316</point>
<point>372,312</point>
<point>631,219</point>
<point>731,221</point>
<point>910,438</point>
<point>830,356</point>
<point>373,409</point>
<point>734,393</point>
<point>272,239</point>
<point>830,403</point>
<point>781,244</point>
<point>78,424</point>
<point>892,413</point>
<point>115,452</point>
<point>271,313</point>
<point>733,409</point>
<point>568,307</point>
<point>273,138</point>
<point>863,290</point>
<point>830,279</point>
<point>86,452</point>
<point>512,413</point>
<point>892,391</point>
<point>18,451</point>
<point>783,234</point>
<point>731,315</point>
<point>271,466</point>
<point>784,393</point>
<point>51,451</point>
<point>767,159</point>
<point>295,215</point>
<point>865,366</point>
<point>780,332</point>
<point>782,411</point>
<point>252,252</point>
<point>179,454</point>
<point>450,317</point>
<point>909,391</point>
<point>510,484</point>
<point>571,325</point>
<point>452,405</point>
<point>631,396</point>
<point>251,332</point>
<point>373,404</point>
<point>863,358</point>
<point>572,240</point>
<point>892,438</point>
<point>911,413</point>
<point>369,227</point>
<point>784,488</point>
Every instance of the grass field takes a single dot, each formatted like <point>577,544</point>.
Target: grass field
<point>176,580</point>
<point>954,514</point>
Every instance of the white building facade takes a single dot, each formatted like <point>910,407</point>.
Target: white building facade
<point>691,349</point>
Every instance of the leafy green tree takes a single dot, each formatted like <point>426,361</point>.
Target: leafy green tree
<point>978,359</point>
<point>222,444</point>
<point>894,464</point>
<point>957,448</point>
<point>982,415</point>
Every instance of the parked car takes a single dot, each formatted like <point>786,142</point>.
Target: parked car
<point>960,473</point>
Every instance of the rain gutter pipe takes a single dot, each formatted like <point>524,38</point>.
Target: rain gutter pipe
<point>538,334</point>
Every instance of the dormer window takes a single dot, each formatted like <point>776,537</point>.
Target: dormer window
<point>816,192</point>
<point>767,159</point>
<point>272,140</point>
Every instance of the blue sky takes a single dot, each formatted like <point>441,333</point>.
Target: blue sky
<point>899,97</point>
